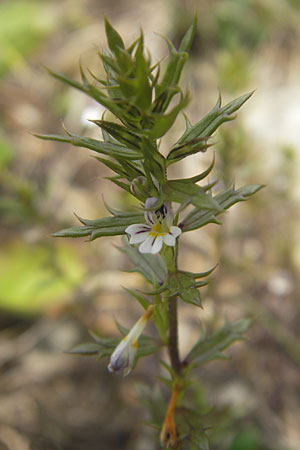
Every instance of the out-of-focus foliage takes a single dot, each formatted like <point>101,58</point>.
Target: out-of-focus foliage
<point>32,277</point>
<point>24,25</point>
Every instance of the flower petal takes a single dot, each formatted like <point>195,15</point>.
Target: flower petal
<point>139,232</point>
<point>150,215</point>
<point>152,244</point>
<point>169,239</point>
<point>175,231</point>
<point>120,356</point>
<point>169,213</point>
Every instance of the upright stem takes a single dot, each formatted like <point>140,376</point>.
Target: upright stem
<point>173,334</point>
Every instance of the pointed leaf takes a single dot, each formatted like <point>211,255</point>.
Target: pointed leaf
<point>88,348</point>
<point>105,148</point>
<point>206,349</point>
<point>143,301</point>
<point>164,123</point>
<point>208,125</point>
<point>188,38</point>
<point>113,38</point>
<point>197,218</point>
<point>149,265</point>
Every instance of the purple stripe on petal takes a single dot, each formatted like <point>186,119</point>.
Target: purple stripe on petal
<point>143,230</point>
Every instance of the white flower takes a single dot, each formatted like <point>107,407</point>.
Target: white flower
<point>124,354</point>
<point>157,230</point>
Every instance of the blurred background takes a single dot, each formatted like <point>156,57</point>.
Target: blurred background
<point>52,291</point>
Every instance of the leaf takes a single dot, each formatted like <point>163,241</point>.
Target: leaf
<point>182,191</point>
<point>164,122</point>
<point>107,226</point>
<point>192,296</point>
<point>183,284</point>
<point>106,148</point>
<point>143,301</point>
<point>143,90</point>
<point>88,348</point>
<point>73,232</point>
<point>118,213</point>
<point>210,348</point>
<point>165,91</point>
<point>119,132</point>
<point>113,105</point>
<point>113,221</point>
<point>115,42</point>
<point>198,441</point>
<point>188,148</point>
<point>209,124</point>
<point>154,402</point>
<point>150,266</point>
<point>197,218</point>
<point>188,38</point>
<point>154,162</point>
<point>147,345</point>
<point>102,347</point>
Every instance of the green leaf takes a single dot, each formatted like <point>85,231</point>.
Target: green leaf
<point>117,168</point>
<point>117,213</point>
<point>207,349</point>
<point>166,90</point>
<point>150,266</point>
<point>113,105</point>
<point>154,402</point>
<point>119,183</point>
<point>102,346</point>
<point>143,91</point>
<point>147,345</point>
<point>164,122</point>
<point>183,284</point>
<point>126,169</point>
<point>106,148</point>
<point>114,221</point>
<point>143,301</point>
<point>182,191</point>
<point>119,132</point>
<point>115,42</point>
<point>197,218</point>
<point>154,163</point>
<point>107,226</point>
<point>88,348</point>
<point>73,232</point>
<point>168,87</point>
<point>208,125</point>
<point>170,78</point>
<point>198,441</point>
<point>192,296</point>
<point>188,148</point>
<point>188,38</point>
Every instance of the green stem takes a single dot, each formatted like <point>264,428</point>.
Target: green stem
<point>173,334</point>
<point>170,255</point>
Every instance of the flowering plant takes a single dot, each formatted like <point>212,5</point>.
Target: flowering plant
<point>139,96</point>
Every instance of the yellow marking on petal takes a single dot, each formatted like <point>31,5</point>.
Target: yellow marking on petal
<point>135,344</point>
<point>124,338</point>
<point>159,229</point>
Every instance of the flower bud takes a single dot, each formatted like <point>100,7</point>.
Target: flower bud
<point>124,354</point>
<point>139,188</point>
